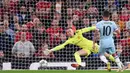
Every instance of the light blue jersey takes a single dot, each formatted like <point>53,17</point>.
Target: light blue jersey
<point>106,29</point>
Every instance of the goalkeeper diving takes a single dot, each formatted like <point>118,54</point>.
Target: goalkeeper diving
<point>76,38</point>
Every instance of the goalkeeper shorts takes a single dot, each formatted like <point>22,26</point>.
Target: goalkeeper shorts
<point>96,50</point>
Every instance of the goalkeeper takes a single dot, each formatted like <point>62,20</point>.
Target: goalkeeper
<point>78,39</point>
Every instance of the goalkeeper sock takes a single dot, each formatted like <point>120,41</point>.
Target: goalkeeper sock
<point>111,58</point>
<point>103,58</point>
<point>77,58</point>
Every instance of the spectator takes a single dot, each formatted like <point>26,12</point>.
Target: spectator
<point>112,6</point>
<point>14,25</point>
<point>10,6</point>
<point>75,18</point>
<point>6,16</point>
<point>23,48</point>
<point>77,22</point>
<point>86,21</point>
<point>23,15</point>
<point>22,51</point>
<point>128,27</point>
<point>93,20</point>
<point>1,58</point>
<point>58,6</point>
<point>34,23</point>
<point>9,31</point>
<point>88,4</point>
<point>23,29</point>
<point>4,26</point>
<point>6,40</point>
<point>40,53</point>
<point>70,24</point>
<point>44,11</point>
<point>92,11</point>
<point>124,16</point>
<point>127,5</point>
<point>125,43</point>
<point>43,5</point>
<point>1,19</point>
<point>57,16</point>
<point>69,12</point>
<point>1,53</point>
<point>55,33</point>
<point>33,16</point>
<point>79,12</point>
<point>38,32</point>
<point>91,8</point>
<point>121,24</point>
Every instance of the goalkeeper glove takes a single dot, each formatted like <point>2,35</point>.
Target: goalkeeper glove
<point>47,52</point>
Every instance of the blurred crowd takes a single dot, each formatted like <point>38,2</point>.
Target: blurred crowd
<point>28,27</point>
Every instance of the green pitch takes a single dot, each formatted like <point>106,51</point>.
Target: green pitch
<point>61,71</point>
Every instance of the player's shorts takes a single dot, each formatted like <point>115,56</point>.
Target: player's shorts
<point>90,50</point>
<point>107,45</point>
<point>110,50</point>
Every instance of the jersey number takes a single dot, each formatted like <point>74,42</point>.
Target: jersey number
<point>106,30</point>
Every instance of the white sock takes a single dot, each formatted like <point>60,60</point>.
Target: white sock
<point>117,60</point>
<point>103,58</point>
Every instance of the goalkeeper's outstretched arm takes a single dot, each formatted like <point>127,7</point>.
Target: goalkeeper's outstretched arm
<point>59,47</point>
<point>95,38</point>
<point>88,29</point>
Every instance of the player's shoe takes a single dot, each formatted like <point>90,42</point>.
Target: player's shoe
<point>109,66</point>
<point>120,70</point>
<point>123,68</point>
<point>75,65</point>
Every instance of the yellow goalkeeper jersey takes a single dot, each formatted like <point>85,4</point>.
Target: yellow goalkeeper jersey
<point>78,40</point>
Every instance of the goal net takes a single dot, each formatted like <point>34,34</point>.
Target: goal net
<point>28,27</point>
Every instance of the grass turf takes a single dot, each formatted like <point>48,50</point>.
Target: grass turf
<point>61,71</point>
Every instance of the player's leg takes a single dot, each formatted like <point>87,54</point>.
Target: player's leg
<point>117,60</point>
<point>102,53</point>
<point>77,55</point>
<point>109,56</point>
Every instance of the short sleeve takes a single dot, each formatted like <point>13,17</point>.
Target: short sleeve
<point>115,26</point>
<point>98,26</point>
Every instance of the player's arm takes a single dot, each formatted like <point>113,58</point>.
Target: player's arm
<point>95,37</point>
<point>96,34</point>
<point>14,49</point>
<point>116,30</point>
<point>88,29</point>
<point>59,47</point>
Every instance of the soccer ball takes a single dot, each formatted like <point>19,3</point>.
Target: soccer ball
<point>43,63</point>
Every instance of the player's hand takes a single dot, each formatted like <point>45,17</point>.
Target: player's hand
<point>47,52</point>
<point>95,49</point>
<point>94,46</point>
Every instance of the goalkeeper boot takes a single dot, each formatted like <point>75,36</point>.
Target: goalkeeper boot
<point>75,65</point>
<point>109,66</point>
